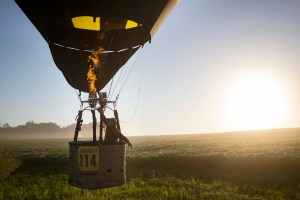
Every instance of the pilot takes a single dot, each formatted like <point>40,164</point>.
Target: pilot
<point>112,133</point>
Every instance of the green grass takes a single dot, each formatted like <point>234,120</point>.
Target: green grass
<point>262,164</point>
<point>54,187</point>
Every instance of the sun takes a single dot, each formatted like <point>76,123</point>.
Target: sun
<point>256,102</point>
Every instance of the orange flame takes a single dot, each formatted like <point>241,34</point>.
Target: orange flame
<point>95,64</point>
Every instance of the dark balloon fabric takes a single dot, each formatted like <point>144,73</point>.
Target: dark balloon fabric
<point>70,46</point>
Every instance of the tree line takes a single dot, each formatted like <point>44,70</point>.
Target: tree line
<point>32,129</point>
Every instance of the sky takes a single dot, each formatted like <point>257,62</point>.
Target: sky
<point>213,66</point>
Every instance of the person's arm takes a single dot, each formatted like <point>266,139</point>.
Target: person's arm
<point>122,137</point>
<point>103,117</point>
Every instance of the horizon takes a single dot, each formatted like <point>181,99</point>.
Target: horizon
<point>87,129</point>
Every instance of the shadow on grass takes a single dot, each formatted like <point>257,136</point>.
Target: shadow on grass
<point>258,170</point>
<point>45,165</point>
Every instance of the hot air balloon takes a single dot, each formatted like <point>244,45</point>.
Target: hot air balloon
<point>90,40</point>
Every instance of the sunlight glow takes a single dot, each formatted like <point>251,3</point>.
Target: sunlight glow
<point>257,102</point>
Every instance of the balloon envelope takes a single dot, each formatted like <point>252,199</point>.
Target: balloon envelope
<point>75,28</point>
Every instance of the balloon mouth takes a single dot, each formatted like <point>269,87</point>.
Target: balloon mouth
<point>103,23</point>
<point>92,51</point>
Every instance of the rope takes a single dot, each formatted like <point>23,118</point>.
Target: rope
<point>123,75</point>
<point>79,98</point>
<point>111,84</point>
<point>78,94</point>
<point>140,54</point>
<point>135,109</point>
<point>131,71</point>
<point>138,99</point>
<point>123,69</point>
<point>201,187</point>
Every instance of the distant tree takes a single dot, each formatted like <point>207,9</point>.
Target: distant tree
<point>6,125</point>
<point>48,126</point>
<point>29,123</point>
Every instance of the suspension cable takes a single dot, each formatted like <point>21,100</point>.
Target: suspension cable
<point>123,83</point>
<point>131,71</point>
<point>128,76</point>
<point>138,99</point>
<point>111,84</point>
<point>135,109</point>
<point>123,69</point>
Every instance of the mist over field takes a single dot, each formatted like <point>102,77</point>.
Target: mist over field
<point>33,130</point>
<point>50,130</point>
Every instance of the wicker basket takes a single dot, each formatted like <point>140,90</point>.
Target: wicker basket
<point>94,165</point>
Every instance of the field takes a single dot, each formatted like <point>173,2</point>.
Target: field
<point>241,165</point>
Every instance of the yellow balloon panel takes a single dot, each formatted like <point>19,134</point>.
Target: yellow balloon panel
<point>97,24</point>
<point>86,22</point>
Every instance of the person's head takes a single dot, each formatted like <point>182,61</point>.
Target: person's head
<point>112,122</point>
